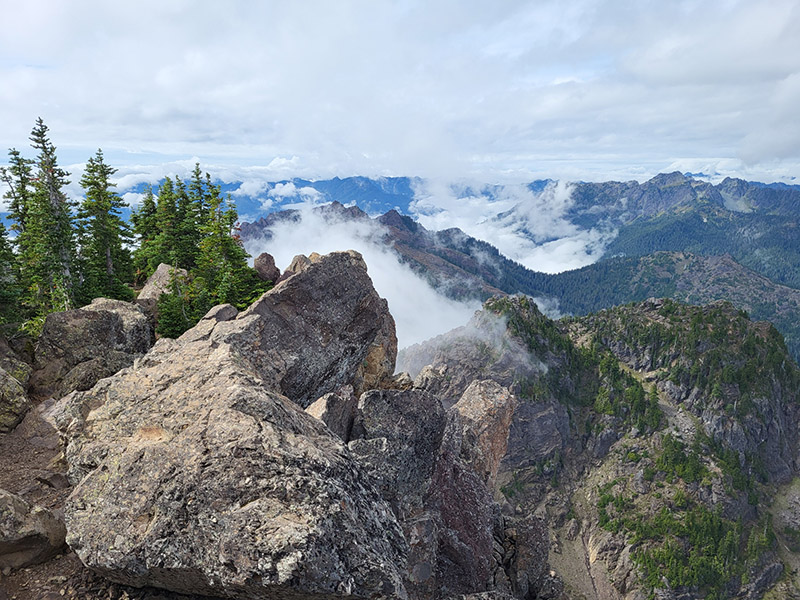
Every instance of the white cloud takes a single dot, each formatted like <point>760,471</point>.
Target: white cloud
<point>253,187</point>
<point>591,89</point>
<point>290,190</point>
<point>419,311</point>
<point>133,199</point>
<point>531,228</point>
<point>3,201</point>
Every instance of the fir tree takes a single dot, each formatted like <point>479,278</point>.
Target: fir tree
<point>221,274</point>
<point>145,226</point>
<point>43,222</point>
<point>166,223</point>
<point>222,261</point>
<point>56,210</point>
<point>187,226</point>
<point>9,279</point>
<point>19,179</point>
<point>106,261</point>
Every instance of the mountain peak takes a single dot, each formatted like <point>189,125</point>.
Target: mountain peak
<point>394,219</point>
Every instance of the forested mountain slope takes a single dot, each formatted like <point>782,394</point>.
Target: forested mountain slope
<point>649,437</point>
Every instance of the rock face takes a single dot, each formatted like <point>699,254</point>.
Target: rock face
<point>216,481</point>
<point>13,364</point>
<point>28,534</point>
<point>158,282</point>
<point>337,410</point>
<point>13,402</point>
<point>79,347</point>
<point>436,468</point>
<point>486,348</point>
<point>484,416</point>
<point>310,334</point>
<point>264,264</point>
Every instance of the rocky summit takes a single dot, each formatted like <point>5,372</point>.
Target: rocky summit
<point>214,478</point>
<point>646,451</point>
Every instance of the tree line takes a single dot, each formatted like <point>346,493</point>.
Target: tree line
<point>62,254</point>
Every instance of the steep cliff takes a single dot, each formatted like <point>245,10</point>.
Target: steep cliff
<point>650,438</point>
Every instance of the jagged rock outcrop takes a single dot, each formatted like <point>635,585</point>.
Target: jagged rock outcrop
<point>216,481</point>
<point>264,264</point>
<point>436,467</point>
<point>13,402</point>
<point>484,415</point>
<point>490,346</point>
<point>78,347</point>
<point>447,364</point>
<point>29,534</point>
<point>159,282</point>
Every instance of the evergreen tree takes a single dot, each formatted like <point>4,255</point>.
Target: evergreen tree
<point>19,179</point>
<point>106,261</point>
<point>167,223</point>
<point>221,274</point>
<point>145,226</point>
<point>188,223</point>
<point>56,210</point>
<point>9,280</point>
<point>199,191</point>
<point>43,222</point>
<point>222,261</point>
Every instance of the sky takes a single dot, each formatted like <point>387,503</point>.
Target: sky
<point>443,89</point>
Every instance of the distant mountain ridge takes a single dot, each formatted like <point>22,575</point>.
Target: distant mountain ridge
<point>461,266</point>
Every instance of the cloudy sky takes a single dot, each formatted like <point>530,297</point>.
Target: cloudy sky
<point>500,90</point>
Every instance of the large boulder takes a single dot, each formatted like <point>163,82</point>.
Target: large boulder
<point>79,347</point>
<point>319,329</point>
<point>29,534</point>
<point>264,264</point>
<point>198,471</point>
<point>13,402</point>
<point>159,282</point>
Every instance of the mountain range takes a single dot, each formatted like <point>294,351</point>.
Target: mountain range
<point>677,237</point>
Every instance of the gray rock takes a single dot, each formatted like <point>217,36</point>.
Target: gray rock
<point>159,282</point>
<point>603,442</point>
<point>215,481</point>
<point>29,534</point>
<point>484,415</point>
<point>434,466</point>
<point>13,402</point>
<point>539,431</point>
<point>14,364</point>
<point>79,347</point>
<point>337,410</point>
<point>264,264</point>
<point>763,580</point>
<point>299,263</point>
<point>311,334</point>
<point>221,312</point>
<point>397,434</point>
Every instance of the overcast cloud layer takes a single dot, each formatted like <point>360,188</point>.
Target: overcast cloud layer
<point>503,90</point>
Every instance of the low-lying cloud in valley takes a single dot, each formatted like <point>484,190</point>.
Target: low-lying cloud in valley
<point>420,312</point>
<point>530,227</point>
